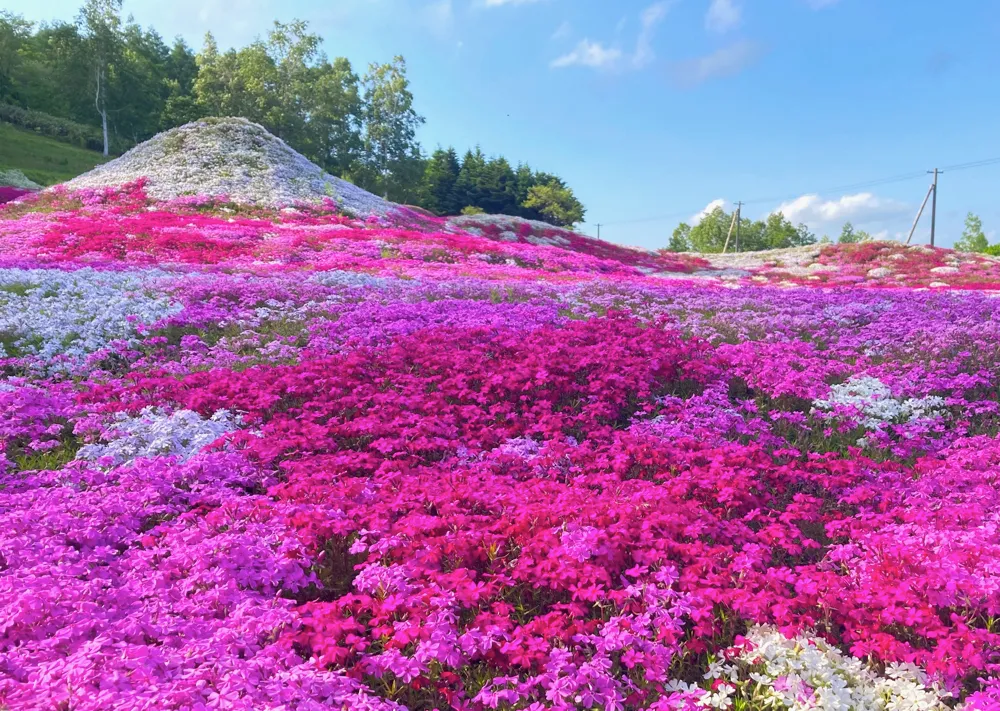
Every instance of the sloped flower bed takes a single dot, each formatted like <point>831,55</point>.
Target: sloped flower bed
<point>287,459</point>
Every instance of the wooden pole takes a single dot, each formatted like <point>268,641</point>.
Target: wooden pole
<point>919,213</point>
<point>728,234</point>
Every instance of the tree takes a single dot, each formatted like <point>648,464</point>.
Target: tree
<point>680,240</point>
<point>181,71</point>
<point>849,236</point>
<point>15,32</point>
<point>390,124</point>
<point>499,188</point>
<point>973,239</point>
<point>779,233</point>
<point>139,89</point>
<point>56,74</point>
<point>709,235</point>
<point>524,181</point>
<point>101,23</point>
<point>469,184</point>
<point>293,52</point>
<point>334,126</point>
<point>556,203</point>
<point>237,83</point>
<point>439,182</point>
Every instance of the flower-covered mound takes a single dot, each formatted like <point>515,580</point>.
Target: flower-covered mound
<point>879,264</point>
<point>288,459</point>
<point>229,157</point>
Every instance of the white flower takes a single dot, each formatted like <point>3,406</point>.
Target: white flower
<point>51,312</point>
<point>230,157</point>
<point>807,673</point>
<point>155,433</point>
<point>875,403</point>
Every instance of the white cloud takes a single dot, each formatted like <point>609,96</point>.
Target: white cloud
<point>698,217</point>
<point>650,18</point>
<point>563,31</point>
<point>723,15</point>
<point>721,63</point>
<point>588,54</point>
<point>859,208</point>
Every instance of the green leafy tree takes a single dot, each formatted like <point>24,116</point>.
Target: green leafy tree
<point>680,240</point>
<point>294,53</point>
<point>709,235</point>
<point>181,70</point>
<point>101,23</point>
<point>556,204</point>
<point>499,188</point>
<point>750,236</point>
<point>139,89</point>
<point>471,176</point>
<point>15,34</point>
<point>524,181</point>
<point>390,125</point>
<point>848,235</point>
<point>57,74</point>
<point>334,127</point>
<point>439,181</point>
<point>973,238</point>
<point>237,82</point>
<point>779,233</point>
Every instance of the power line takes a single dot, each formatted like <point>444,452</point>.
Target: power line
<point>934,203</point>
<point>973,164</point>
<point>838,188</point>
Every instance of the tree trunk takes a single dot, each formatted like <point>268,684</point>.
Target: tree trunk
<point>99,104</point>
<point>104,128</point>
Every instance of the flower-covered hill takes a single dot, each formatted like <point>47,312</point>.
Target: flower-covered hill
<point>124,225</point>
<point>232,157</point>
<point>284,458</point>
<point>884,264</point>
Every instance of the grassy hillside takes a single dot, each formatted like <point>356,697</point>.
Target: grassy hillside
<point>44,160</point>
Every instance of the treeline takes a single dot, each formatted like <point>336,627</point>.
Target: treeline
<point>776,232</point>
<point>709,235</point>
<point>478,184</point>
<point>126,84</point>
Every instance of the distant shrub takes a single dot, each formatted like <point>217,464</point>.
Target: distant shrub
<point>473,210</point>
<point>993,250</point>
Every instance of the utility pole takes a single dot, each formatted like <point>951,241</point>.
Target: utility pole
<point>729,234</point>
<point>598,230</point>
<point>934,205</point>
<point>919,213</point>
<point>739,218</point>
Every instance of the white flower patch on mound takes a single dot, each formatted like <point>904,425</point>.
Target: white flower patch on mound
<point>231,157</point>
<point>154,433</point>
<point>51,313</point>
<point>873,401</point>
<point>16,179</point>
<point>510,227</point>
<point>775,672</point>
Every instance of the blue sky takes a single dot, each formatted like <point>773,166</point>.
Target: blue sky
<point>656,109</point>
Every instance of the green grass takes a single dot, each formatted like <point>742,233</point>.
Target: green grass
<point>44,160</point>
